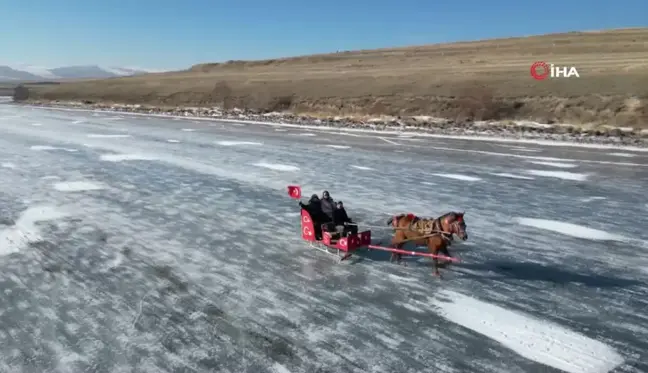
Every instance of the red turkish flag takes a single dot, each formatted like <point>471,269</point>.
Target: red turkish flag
<point>294,191</point>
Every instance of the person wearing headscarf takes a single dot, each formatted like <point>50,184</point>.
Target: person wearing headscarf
<point>313,206</point>
<point>328,206</point>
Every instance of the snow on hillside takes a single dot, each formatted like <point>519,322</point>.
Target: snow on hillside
<point>39,71</point>
<point>27,72</point>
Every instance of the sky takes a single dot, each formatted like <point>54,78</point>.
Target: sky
<point>165,34</point>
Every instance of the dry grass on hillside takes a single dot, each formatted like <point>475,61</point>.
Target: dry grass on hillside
<point>470,80</point>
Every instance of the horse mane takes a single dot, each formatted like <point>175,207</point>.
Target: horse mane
<point>455,214</point>
<point>415,218</point>
<point>409,215</point>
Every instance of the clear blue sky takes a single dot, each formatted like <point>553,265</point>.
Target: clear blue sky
<point>177,34</point>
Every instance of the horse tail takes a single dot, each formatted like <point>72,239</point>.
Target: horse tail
<point>391,220</point>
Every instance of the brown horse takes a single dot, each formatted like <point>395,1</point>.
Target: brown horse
<point>436,234</point>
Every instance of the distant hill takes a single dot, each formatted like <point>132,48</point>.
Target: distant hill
<point>25,73</point>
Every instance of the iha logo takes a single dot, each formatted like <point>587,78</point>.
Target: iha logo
<point>541,70</point>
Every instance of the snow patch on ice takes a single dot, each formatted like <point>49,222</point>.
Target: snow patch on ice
<point>411,307</point>
<point>280,130</point>
<point>8,165</point>
<point>42,147</point>
<point>276,166</point>
<point>590,199</point>
<point>512,176</point>
<point>459,177</point>
<point>365,168</point>
<point>235,143</point>
<point>188,130</point>
<point>388,141</point>
<point>569,229</point>
<point>559,175</point>
<point>428,183</point>
<point>305,134</point>
<point>77,186</point>
<point>625,155</point>
<point>103,136</point>
<point>47,147</point>
<point>538,340</point>
<point>338,146</point>
<point>77,122</point>
<point>126,157</point>
<point>25,230</point>
<point>278,368</point>
<point>521,148</point>
<point>116,261</point>
<point>37,124</point>
<point>554,164</point>
<point>389,341</point>
<point>173,141</point>
<point>532,157</point>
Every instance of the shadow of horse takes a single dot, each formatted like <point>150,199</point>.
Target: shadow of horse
<point>548,273</point>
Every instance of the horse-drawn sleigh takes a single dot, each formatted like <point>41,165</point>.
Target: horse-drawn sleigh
<point>435,233</point>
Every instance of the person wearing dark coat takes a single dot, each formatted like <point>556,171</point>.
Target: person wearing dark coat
<point>312,202</point>
<point>328,209</point>
<point>341,218</point>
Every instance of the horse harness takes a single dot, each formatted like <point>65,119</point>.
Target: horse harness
<point>430,227</point>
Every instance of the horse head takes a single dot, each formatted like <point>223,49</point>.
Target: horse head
<point>454,223</point>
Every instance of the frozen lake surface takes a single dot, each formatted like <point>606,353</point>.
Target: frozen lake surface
<point>142,244</point>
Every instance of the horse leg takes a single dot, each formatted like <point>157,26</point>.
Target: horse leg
<point>394,243</point>
<point>434,250</point>
<point>399,257</point>
<point>397,243</point>
<point>394,223</point>
<point>446,252</point>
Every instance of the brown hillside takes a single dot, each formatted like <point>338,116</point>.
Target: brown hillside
<point>470,80</point>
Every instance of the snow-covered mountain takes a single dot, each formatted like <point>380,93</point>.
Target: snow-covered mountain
<point>31,72</point>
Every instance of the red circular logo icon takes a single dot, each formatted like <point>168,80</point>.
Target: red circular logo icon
<point>540,70</point>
